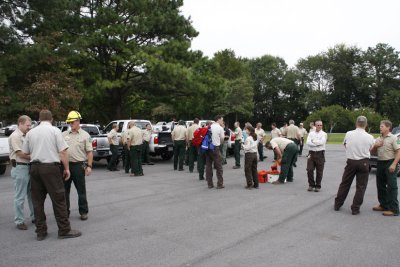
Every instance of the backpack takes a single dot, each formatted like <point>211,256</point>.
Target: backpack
<point>207,143</point>
<point>198,136</point>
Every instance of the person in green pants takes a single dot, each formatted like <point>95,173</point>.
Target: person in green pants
<point>79,152</point>
<point>238,134</point>
<point>286,152</point>
<point>134,137</point>
<point>388,148</point>
<point>179,136</point>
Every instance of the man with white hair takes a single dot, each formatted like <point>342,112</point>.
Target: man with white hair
<point>358,144</point>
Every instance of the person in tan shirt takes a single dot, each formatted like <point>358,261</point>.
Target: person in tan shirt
<point>80,158</point>
<point>20,172</point>
<point>112,137</point>
<point>238,134</point>
<point>179,137</point>
<point>388,147</point>
<point>134,139</point>
<point>127,155</point>
<point>146,149</point>
<point>286,151</point>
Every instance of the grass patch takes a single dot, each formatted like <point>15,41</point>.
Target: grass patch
<point>337,138</point>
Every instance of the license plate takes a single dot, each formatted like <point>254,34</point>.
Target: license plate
<point>170,148</point>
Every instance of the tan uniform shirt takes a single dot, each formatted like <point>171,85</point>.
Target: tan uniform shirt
<point>275,133</point>
<point>191,130</point>
<point>113,135</point>
<point>283,131</point>
<point>146,135</point>
<point>79,144</point>
<point>123,137</point>
<point>44,143</point>
<point>238,134</point>
<point>135,135</point>
<point>179,133</point>
<point>292,132</point>
<point>281,143</point>
<point>15,141</point>
<point>260,134</point>
<point>302,132</point>
<point>389,148</point>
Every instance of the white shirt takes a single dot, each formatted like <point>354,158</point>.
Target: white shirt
<point>250,146</point>
<point>316,140</point>
<point>44,143</point>
<point>217,134</point>
<point>358,144</point>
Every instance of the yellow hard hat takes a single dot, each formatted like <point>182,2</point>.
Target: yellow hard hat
<point>73,116</point>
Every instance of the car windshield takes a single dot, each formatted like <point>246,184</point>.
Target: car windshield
<point>141,124</point>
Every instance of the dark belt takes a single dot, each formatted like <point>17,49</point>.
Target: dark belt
<point>43,163</point>
<point>23,163</point>
<point>385,161</point>
<point>77,163</point>
<point>316,152</point>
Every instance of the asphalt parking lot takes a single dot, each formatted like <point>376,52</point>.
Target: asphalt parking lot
<point>170,218</point>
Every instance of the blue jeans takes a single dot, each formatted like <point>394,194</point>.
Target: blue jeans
<point>22,183</point>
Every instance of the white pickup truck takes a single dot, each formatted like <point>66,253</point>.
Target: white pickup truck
<point>160,143</point>
<point>4,154</point>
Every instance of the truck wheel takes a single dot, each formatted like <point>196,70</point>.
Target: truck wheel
<point>167,156</point>
<point>3,169</point>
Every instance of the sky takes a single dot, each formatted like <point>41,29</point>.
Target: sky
<point>291,29</point>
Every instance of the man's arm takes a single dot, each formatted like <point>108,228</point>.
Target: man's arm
<point>318,142</point>
<point>89,166</point>
<point>278,154</point>
<point>393,166</point>
<point>64,160</point>
<point>23,155</point>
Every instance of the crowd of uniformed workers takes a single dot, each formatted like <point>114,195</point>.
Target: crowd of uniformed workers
<point>46,161</point>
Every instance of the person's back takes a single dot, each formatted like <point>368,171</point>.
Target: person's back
<point>135,135</point>
<point>358,143</point>
<point>43,143</point>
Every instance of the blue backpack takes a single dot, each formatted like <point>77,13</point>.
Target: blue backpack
<point>207,143</point>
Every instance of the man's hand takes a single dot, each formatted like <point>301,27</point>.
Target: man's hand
<point>392,168</point>
<point>66,175</point>
<point>379,142</point>
<point>88,171</point>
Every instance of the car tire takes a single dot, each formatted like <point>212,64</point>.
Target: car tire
<point>3,169</point>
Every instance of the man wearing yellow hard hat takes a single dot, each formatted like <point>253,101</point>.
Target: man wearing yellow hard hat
<point>80,161</point>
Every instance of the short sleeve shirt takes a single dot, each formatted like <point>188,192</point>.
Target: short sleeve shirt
<point>358,144</point>
<point>179,133</point>
<point>275,133</point>
<point>191,130</point>
<point>260,134</point>
<point>15,141</point>
<point>389,148</point>
<point>292,131</point>
<point>281,143</point>
<point>217,134</point>
<point>113,135</point>
<point>135,135</point>
<point>80,143</point>
<point>146,135</point>
<point>239,134</point>
<point>44,143</point>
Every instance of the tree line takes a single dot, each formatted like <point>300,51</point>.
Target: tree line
<point>114,59</point>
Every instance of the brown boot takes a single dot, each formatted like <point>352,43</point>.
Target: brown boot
<point>378,208</point>
<point>389,213</point>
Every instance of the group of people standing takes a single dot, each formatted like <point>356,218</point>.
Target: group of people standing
<point>46,161</point>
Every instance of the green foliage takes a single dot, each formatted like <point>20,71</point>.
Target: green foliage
<point>337,119</point>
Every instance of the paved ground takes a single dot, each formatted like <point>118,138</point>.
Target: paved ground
<point>169,218</point>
